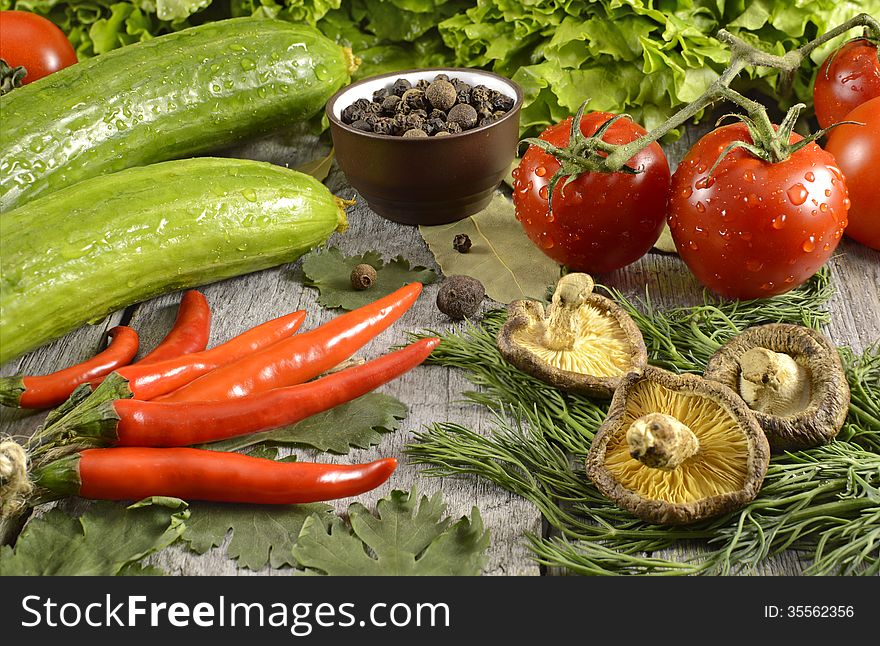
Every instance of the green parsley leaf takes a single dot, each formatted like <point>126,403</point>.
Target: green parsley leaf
<point>359,423</point>
<point>330,272</point>
<point>408,537</point>
<point>106,540</point>
<point>261,534</point>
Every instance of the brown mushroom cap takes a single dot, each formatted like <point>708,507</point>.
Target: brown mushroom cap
<point>721,459</point>
<point>584,343</point>
<point>814,408</point>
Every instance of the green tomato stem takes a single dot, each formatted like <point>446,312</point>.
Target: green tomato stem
<point>742,55</point>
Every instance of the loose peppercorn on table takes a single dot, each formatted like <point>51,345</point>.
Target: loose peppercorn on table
<point>432,393</point>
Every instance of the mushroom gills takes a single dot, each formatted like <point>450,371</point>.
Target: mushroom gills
<point>590,342</point>
<point>715,461</point>
<point>773,382</point>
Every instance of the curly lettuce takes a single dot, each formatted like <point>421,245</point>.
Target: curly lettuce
<point>643,57</point>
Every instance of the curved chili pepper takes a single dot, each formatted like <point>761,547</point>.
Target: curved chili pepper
<point>298,359</point>
<point>50,390</point>
<point>154,379</point>
<point>155,423</point>
<point>189,334</point>
<point>134,473</point>
<point>190,331</point>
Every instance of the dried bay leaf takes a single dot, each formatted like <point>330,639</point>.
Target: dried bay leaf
<point>502,257</point>
<point>665,243</point>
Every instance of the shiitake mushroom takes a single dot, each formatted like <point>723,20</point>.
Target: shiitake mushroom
<point>584,343</point>
<point>791,377</point>
<point>676,449</point>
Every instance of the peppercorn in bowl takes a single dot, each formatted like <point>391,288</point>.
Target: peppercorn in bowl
<point>426,146</point>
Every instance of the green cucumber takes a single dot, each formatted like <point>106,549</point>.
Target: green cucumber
<point>78,254</point>
<point>171,97</point>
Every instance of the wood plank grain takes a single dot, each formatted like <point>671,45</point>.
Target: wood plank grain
<point>432,393</point>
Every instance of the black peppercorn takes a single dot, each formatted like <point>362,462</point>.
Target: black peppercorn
<point>415,99</point>
<point>362,125</point>
<point>422,84</point>
<point>487,121</point>
<point>441,77</point>
<point>461,243</point>
<point>437,114</point>
<point>463,95</point>
<point>414,120</point>
<point>363,277</point>
<point>464,115</point>
<point>480,94</point>
<point>380,94</point>
<point>384,126</point>
<point>460,296</point>
<point>453,128</point>
<point>501,102</point>
<point>400,86</point>
<point>362,104</point>
<point>351,114</point>
<point>389,103</point>
<point>433,126</point>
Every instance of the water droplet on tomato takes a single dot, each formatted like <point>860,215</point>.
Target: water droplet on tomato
<point>540,171</point>
<point>809,244</point>
<point>687,191</point>
<point>846,203</point>
<point>705,182</point>
<point>823,207</point>
<point>797,194</point>
<point>515,172</point>
<point>702,168</point>
<point>749,176</point>
<point>789,279</point>
<point>778,222</point>
<point>754,265</point>
<point>693,245</point>
<point>543,192</point>
<point>810,176</point>
<point>826,246</point>
<point>752,199</point>
<point>701,207</point>
<point>768,286</point>
<point>827,192</point>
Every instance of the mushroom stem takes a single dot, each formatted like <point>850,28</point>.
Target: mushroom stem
<point>661,441</point>
<point>564,321</point>
<point>773,383</point>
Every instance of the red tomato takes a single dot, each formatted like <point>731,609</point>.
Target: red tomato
<point>755,229</point>
<point>848,77</point>
<point>857,151</point>
<point>35,43</point>
<point>601,221</point>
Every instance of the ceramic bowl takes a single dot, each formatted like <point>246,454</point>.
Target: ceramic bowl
<point>426,180</point>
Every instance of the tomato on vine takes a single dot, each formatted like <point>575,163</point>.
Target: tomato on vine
<point>857,151</point>
<point>34,43</point>
<point>849,77</point>
<point>749,227</point>
<point>593,221</point>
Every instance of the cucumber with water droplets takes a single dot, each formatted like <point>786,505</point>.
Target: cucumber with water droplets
<point>77,254</point>
<point>174,96</point>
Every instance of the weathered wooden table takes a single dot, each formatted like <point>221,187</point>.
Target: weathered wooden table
<point>432,393</point>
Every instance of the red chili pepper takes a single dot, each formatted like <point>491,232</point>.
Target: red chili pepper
<point>298,359</point>
<point>155,423</point>
<point>189,334</point>
<point>190,331</point>
<point>134,473</point>
<point>154,379</point>
<point>50,390</point>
